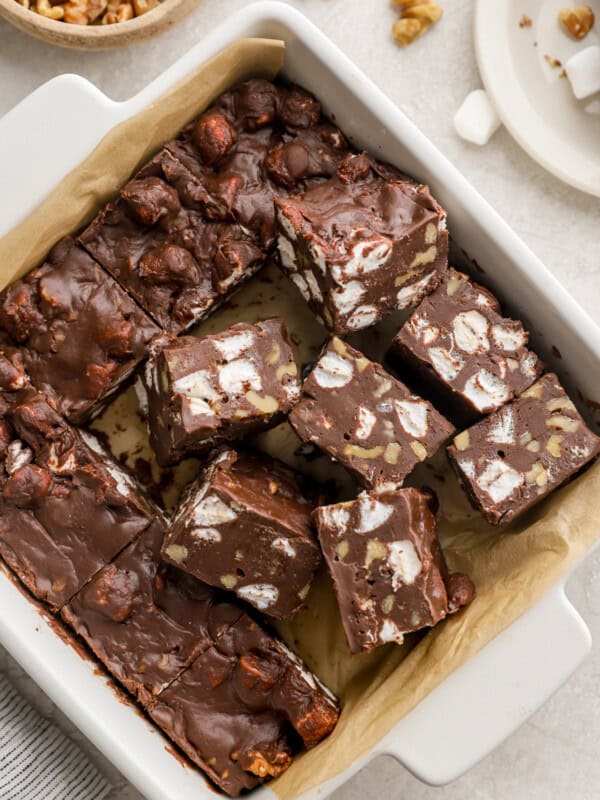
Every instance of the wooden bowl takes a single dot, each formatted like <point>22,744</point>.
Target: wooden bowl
<point>97,37</point>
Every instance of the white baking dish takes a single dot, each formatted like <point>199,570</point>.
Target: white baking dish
<point>483,702</point>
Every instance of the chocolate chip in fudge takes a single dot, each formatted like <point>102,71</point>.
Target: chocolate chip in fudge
<point>245,525</point>
<point>519,454</point>
<point>364,418</point>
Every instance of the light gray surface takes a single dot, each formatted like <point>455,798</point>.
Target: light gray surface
<point>556,754</point>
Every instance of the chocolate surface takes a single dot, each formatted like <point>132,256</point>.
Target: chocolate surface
<point>157,243</point>
<point>364,418</point>
<point>459,342</point>
<point>245,525</point>
<point>362,244</point>
<point>242,707</point>
<point>387,566</point>
<point>146,621</point>
<point>79,334</point>
<point>196,392</point>
<point>518,455</point>
<point>65,512</point>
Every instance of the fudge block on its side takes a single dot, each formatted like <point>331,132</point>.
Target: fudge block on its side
<point>388,569</point>
<point>79,333</point>
<point>459,343</point>
<point>518,455</point>
<point>196,392</point>
<point>362,244</point>
<point>241,709</point>
<point>245,525</point>
<point>364,418</point>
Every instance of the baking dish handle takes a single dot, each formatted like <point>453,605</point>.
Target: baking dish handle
<point>480,705</point>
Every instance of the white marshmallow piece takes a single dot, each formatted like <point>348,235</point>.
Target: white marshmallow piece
<point>476,120</point>
<point>583,72</point>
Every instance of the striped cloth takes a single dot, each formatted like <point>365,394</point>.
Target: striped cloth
<point>37,762</point>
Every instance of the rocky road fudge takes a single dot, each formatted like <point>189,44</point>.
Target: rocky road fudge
<point>388,569</point>
<point>364,418</point>
<point>79,333</point>
<point>522,452</point>
<point>195,392</point>
<point>241,709</point>
<point>466,351</point>
<point>245,525</point>
<point>362,244</point>
<point>156,242</point>
<point>145,620</point>
<point>258,140</point>
<point>65,512</point>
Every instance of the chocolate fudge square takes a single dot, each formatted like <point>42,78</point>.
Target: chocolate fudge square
<point>388,569</point>
<point>79,333</point>
<point>467,352</point>
<point>257,140</point>
<point>362,244</point>
<point>245,525</point>
<point>146,621</point>
<point>518,455</point>
<point>364,418</point>
<point>156,242</point>
<point>196,392</point>
<point>65,512</point>
<point>241,709</point>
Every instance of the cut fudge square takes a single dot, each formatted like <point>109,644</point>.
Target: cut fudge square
<point>195,392</point>
<point>518,455</point>
<point>65,511</point>
<point>364,418</point>
<point>245,525</point>
<point>388,569</point>
<point>466,351</point>
<point>79,333</point>
<point>362,244</point>
<point>145,620</point>
<point>176,263</point>
<point>240,709</point>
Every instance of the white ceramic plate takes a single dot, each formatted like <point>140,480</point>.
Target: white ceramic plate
<point>535,104</point>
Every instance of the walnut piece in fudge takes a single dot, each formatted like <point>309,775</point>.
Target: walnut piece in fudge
<point>388,569</point>
<point>518,455</point>
<point>65,512</point>
<point>465,350</point>
<point>79,333</point>
<point>176,263</point>
<point>146,621</point>
<point>200,391</point>
<point>241,707</point>
<point>257,140</point>
<point>364,418</point>
<point>362,244</point>
<point>245,525</point>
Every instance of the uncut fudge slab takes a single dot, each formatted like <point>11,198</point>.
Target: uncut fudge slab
<point>387,566</point>
<point>155,241</point>
<point>245,525</point>
<point>241,709</point>
<point>467,352</point>
<point>65,512</point>
<point>195,392</point>
<point>145,620</point>
<point>257,140</point>
<point>364,418</point>
<point>518,455</point>
<point>79,333</point>
<point>362,244</point>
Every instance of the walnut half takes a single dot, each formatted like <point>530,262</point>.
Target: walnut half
<point>416,17</point>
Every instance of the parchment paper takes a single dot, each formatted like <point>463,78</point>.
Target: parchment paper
<point>512,569</point>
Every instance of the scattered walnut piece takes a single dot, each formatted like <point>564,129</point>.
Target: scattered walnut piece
<point>554,62</point>
<point>416,17</point>
<point>525,21</point>
<point>577,21</point>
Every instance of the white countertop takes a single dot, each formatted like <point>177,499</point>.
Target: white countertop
<point>556,754</point>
